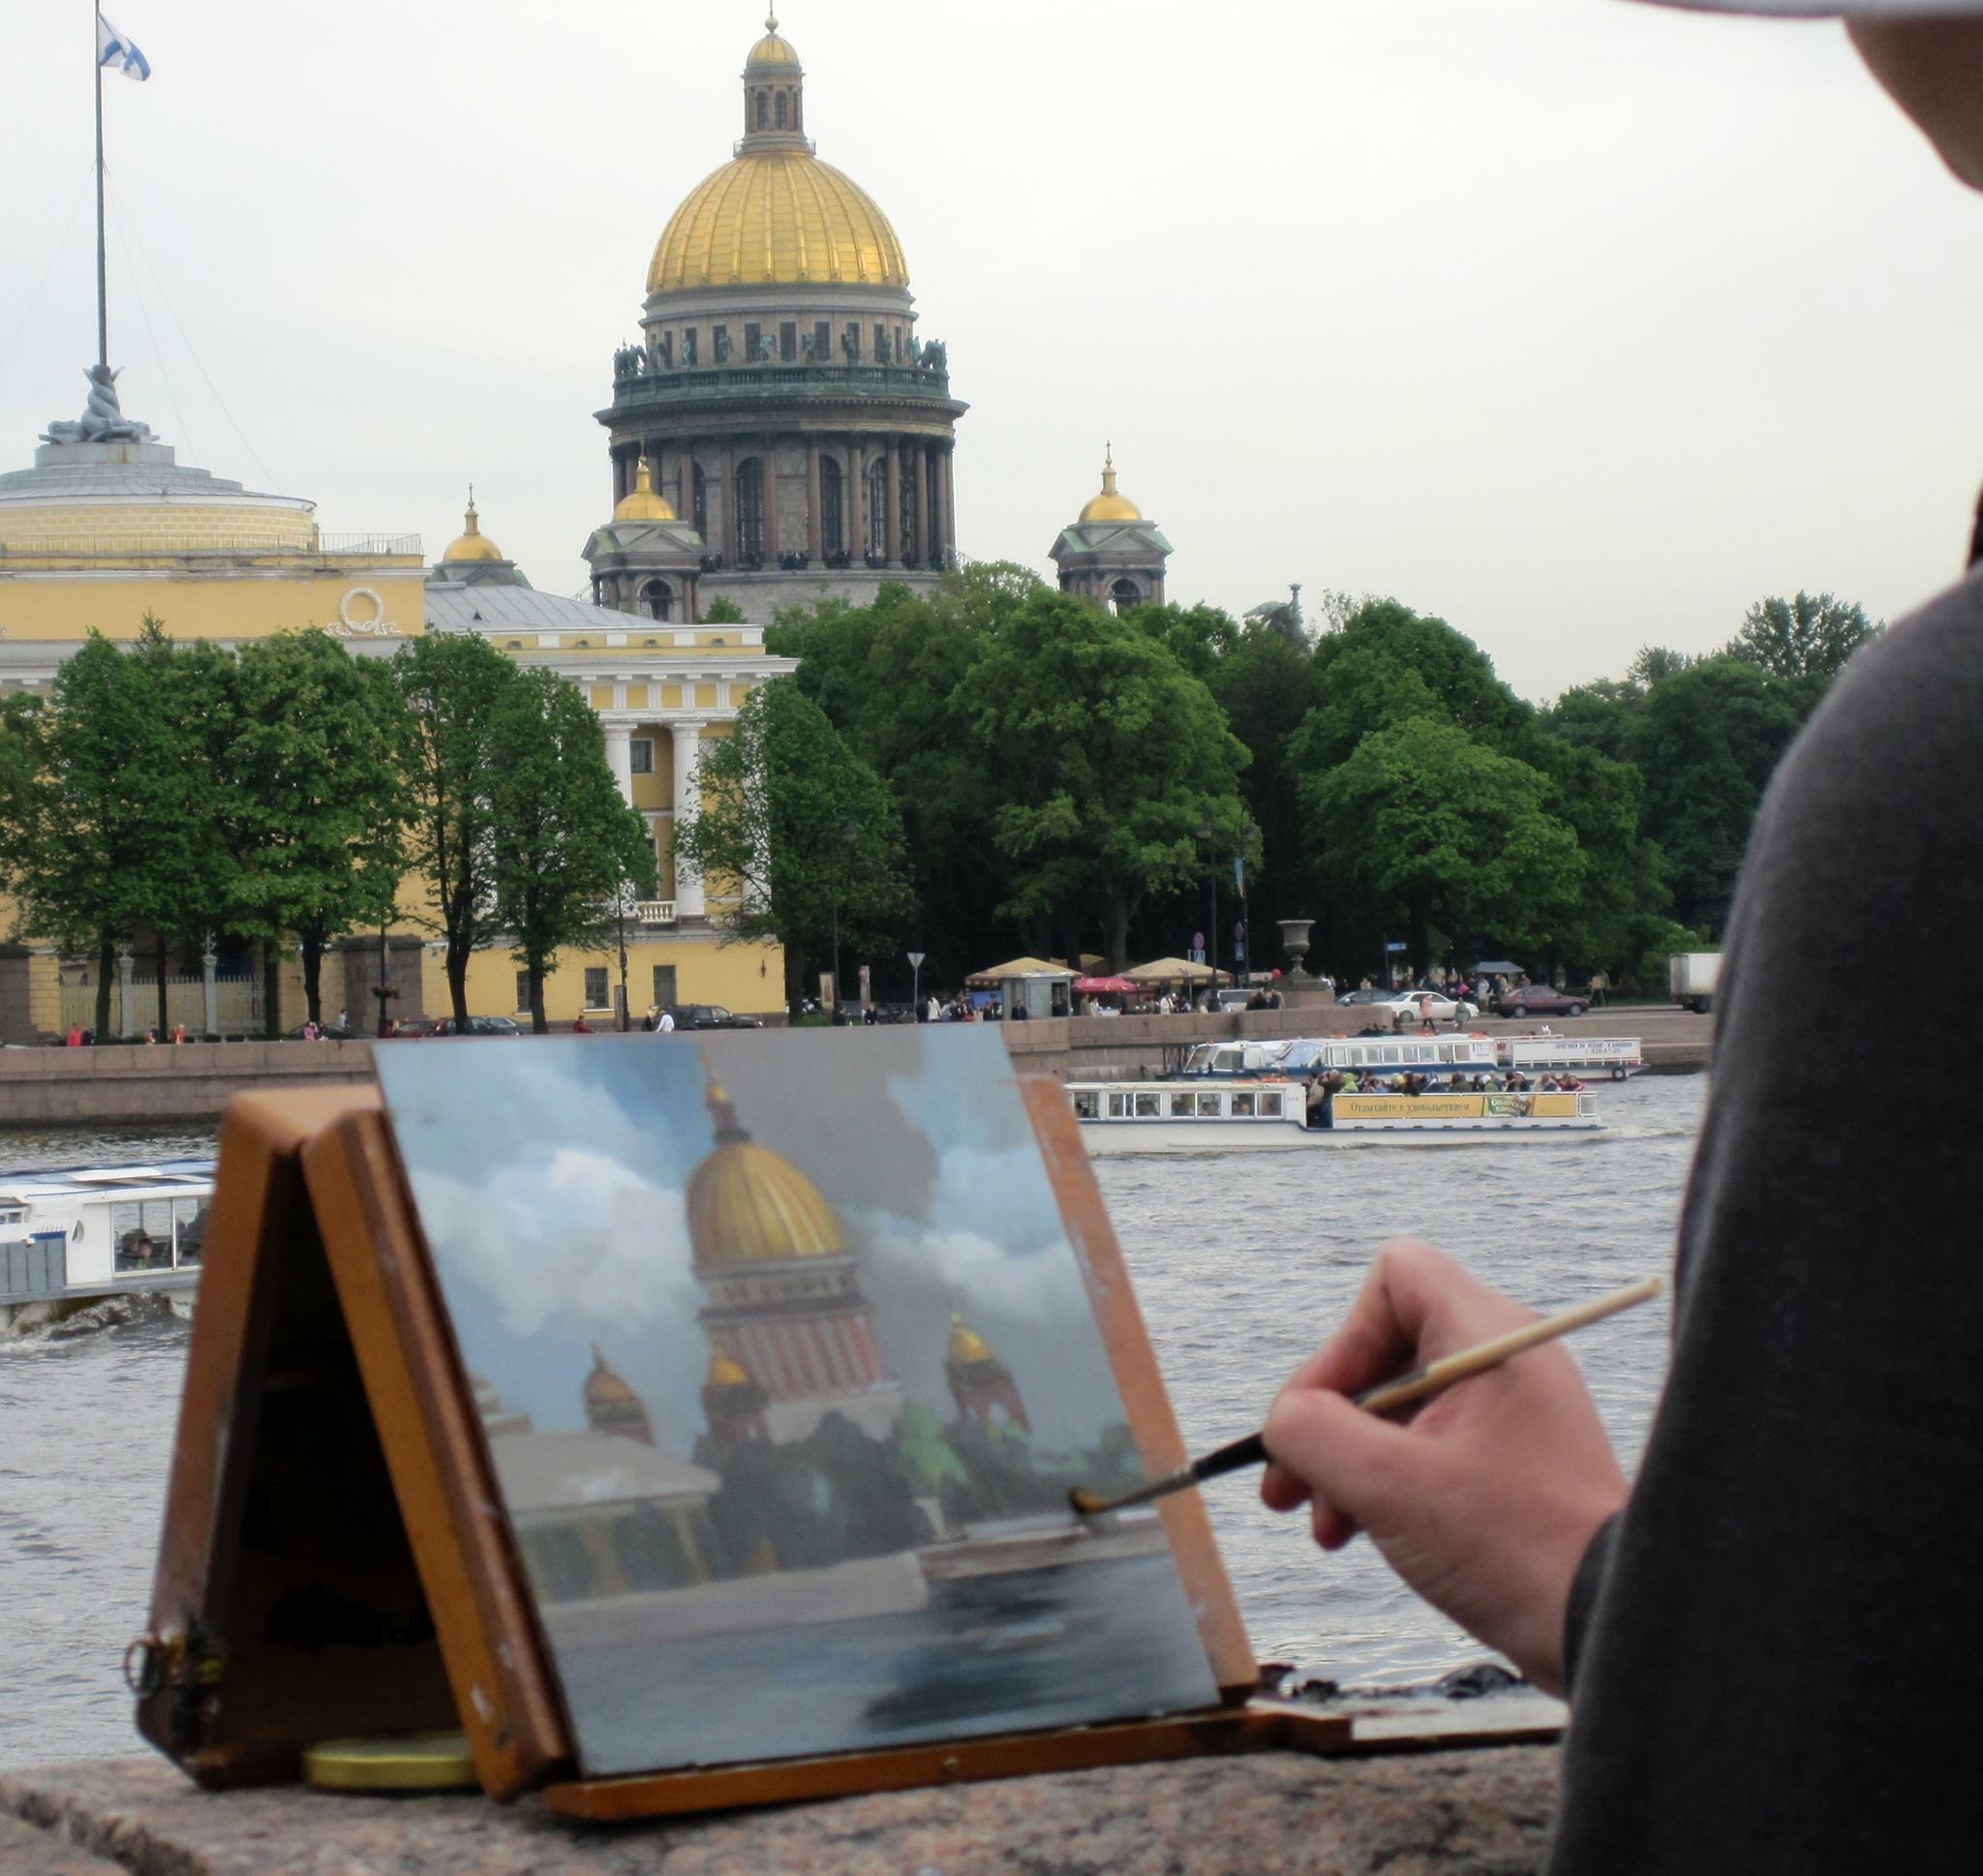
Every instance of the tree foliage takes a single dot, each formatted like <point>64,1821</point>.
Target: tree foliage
<point>1803,638</point>
<point>566,852</point>
<point>802,829</point>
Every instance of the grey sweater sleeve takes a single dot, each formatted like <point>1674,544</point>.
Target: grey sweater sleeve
<point>1772,1642</point>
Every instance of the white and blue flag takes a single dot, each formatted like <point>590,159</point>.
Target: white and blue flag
<point>119,52</point>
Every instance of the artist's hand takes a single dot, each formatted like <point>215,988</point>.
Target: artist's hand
<point>1484,1501</point>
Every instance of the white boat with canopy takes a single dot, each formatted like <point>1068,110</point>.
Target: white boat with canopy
<point>1590,1058</point>
<point>1243,1115</point>
<point>77,1235</point>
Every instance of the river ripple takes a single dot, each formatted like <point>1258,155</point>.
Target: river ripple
<point>1241,1263</point>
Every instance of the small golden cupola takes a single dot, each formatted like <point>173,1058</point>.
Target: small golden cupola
<point>471,544</point>
<point>748,1205</point>
<point>1111,505</point>
<point>640,502</point>
<point>613,1406</point>
<point>980,1383</point>
<point>965,1343</point>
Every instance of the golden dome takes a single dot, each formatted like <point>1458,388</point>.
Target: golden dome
<point>471,544</point>
<point>641,503</point>
<point>1109,506</point>
<point>725,1369</point>
<point>602,1386</point>
<point>965,1345</point>
<point>746,1205</point>
<point>771,49</point>
<point>778,217</point>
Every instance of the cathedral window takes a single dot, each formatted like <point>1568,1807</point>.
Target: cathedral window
<point>1125,593</point>
<point>830,526</point>
<point>788,341</point>
<point>701,502</point>
<point>911,468</point>
<point>688,348</point>
<point>782,111</point>
<point>763,109</point>
<point>751,335</point>
<point>750,511</point>
<point>657,600</point>
<point>822,342</point>
<point>850,342</point>
<point>877,507</point>
<point>880,344</point>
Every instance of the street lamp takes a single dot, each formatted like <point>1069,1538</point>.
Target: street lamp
<point>850,832</point>
<point>1211,928</point>
<point>620,897</point>
<point>1244,953</point>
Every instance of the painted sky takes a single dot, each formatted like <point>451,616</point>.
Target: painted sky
<point>550,1181</point>
<point>1580,322</point>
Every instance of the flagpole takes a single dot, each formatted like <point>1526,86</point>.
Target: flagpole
<point>102,301</point>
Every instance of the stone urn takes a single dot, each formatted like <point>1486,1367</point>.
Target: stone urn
<point>1297,985</point>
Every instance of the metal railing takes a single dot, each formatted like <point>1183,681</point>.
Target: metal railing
<point>96,547</point>
<point>368,543</point>
<point>778,381</point>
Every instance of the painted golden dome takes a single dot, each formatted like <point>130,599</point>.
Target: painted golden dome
<point>778,217</point>
<point>471,544</point>
<point>603,1387</point>
<point>725,1369</point>
<point>746,1205</point>
<point>641,503</point>
<point>771,49</point>
<point>1110,505</point>
<point>965,1345</point>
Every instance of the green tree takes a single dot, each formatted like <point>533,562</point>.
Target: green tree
<point>722,611</point>
<point>308,749</point>
<point>1807,636</point>
<point>567,849</point>
<point>803,831</point>
<point>451,686</point>
<point>1459,838</point>
<point>1106,755</point>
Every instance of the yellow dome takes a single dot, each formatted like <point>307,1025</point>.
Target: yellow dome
<point>777,217</point>
<point>965,1345</point>
<point>1109,506</point>
<point>640,502</point>
<point>471,544</point>
<point>724,1371</point>
<point>746,1205</point>
<point>771,49</point>
<point>602,1386</point>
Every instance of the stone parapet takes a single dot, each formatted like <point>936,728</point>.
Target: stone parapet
<point>1443,1813</point>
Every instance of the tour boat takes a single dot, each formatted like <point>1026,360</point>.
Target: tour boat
<point>1251,1115</point>
<point>1590,1058</point>
<point>74,1236</point>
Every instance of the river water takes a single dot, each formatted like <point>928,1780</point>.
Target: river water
<point>1241,1263</point>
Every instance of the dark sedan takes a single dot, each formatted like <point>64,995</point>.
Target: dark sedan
<point>711,1015</point>
<point>1541,1000</point>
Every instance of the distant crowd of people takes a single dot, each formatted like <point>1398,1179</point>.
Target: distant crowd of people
<point>1321,1088</point>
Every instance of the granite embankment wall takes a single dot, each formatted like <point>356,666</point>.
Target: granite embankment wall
<point>1474,1812</point>
<point>135,1082</point>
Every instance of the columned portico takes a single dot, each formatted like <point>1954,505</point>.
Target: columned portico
<point>688,740</point>
<point>619,755</point>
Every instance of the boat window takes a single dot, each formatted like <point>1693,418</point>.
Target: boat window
<point>1183,1105</point>
<point>1388,1054</point>
<point>1445,1053</point>
<point>136,1247</point>
<point>13,1213</point>
<point>1208,1106</point>
<point>1118,1107</point>
<point>1088,1104</point>
<point>188,1229</point>
<point>1338,1057</point>
<point>1270,1105</point>
<point>1242,1102</point>
<point>1147,1107</point>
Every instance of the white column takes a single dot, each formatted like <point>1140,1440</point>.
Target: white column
<point>688,740</point>
<point>619,757</point>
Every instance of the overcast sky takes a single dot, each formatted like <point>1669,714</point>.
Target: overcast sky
<point>1579,323</point>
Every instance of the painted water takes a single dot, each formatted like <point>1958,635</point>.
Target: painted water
<point>1241,1263</point>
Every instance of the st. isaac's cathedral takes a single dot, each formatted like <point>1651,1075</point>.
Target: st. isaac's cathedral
<point>781,433</point>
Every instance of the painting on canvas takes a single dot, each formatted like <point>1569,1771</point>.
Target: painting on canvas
<point>786,1364</point>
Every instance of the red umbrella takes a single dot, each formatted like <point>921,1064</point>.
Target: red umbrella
<point>1104,986</point>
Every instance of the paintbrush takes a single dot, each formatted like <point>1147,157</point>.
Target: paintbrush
<point>1401,1391</point>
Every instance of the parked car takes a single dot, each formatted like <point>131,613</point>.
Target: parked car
<point>1413,1006</point>
<point>711,1015</point>
<point>477,1026</point>
<point>1364,996</point>
<point>1541,1000</point>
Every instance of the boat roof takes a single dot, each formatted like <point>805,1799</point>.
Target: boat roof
<point>163,1178</point>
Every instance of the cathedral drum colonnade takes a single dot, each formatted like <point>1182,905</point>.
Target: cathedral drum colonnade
<point>780,406</point>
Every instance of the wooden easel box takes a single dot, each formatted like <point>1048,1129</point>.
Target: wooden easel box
<point>334,1561</point>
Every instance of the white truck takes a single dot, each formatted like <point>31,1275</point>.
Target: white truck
<point>1691,977</point>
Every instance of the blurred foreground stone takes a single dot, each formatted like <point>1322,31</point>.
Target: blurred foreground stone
<point>1273,1814</point>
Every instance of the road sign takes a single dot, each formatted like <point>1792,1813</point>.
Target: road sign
<point>1197,941</point>
<point>916,959</point>
<point>1395,944</point>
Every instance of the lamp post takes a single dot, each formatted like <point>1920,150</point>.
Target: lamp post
<point>850,832</point>
<point>1211,930</point>
<point>382,990</point>
<point>620,914</point>
<point>1244,953</point>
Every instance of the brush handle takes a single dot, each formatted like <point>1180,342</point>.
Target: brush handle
<point>1250,1451</point>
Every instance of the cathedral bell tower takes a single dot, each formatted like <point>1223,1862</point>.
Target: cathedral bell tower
<point>612,1406</point>
<point>1111,554</point>
<point>981,1385</point>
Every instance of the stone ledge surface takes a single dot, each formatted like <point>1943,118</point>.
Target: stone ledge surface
<point>1474,1812</point>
